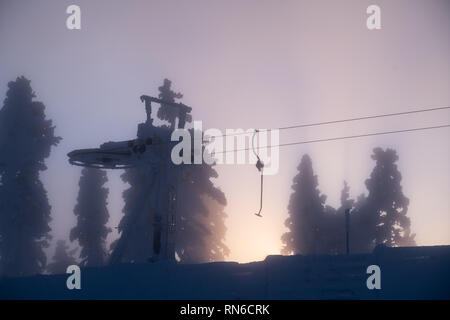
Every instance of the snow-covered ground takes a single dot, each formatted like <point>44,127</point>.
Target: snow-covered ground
<point>406,273</point>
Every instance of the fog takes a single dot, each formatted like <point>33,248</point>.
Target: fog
<point>245,64</point>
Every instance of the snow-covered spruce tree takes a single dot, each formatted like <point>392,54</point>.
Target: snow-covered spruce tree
<point>200,217</point>
<point>331,226</point>
<point>62,258</point>
<point>140,235</point>
<point>200,229</point>
<point>306,213</point>
<point>166,112</point>
<point>26,137</point>
<point>381,217</point>
<point>216,249</point>
<point>92,216</point>
<point>361,239</point>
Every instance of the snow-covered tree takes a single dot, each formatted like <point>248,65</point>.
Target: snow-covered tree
<point>378,218</point>
<point>140,234</point>
<point>306,213</point>
<point>92,215</point>
<point>200,228</point>
<point>201,219</point>
<point>62,258</point>
<point>26,137</point>
<point>381,216</point>
<point>166,112</point>
<point>215,249</point>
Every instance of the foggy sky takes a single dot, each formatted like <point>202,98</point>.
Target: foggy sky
<point>245,64</point>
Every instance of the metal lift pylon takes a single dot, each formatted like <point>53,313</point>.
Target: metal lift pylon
<point>151,152</point>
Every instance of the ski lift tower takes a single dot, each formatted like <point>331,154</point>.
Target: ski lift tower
<point>151,153</point>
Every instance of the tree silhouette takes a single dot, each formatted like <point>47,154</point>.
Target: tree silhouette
<point>200,228</point>
<point>306,213</point>
<point>378,218</point>
<point>331,231</point>
<point>361,227</point>
<point>92,216</point>
<point>26,137</point>
<point>216,250</point>
<point>140,239</point>
<point>166,112</point>
<point>62,258</point>
<point>383,213</point>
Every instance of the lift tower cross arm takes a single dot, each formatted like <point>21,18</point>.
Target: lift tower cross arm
<point>183,110</point>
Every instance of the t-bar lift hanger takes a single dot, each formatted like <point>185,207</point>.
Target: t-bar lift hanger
<point>260,167</point>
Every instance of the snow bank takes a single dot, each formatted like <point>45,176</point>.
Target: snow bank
<point>406,273</point>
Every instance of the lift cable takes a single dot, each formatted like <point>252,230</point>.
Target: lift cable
<point>260,165</point>
<point>314,124</point>
<point>341,138</point>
